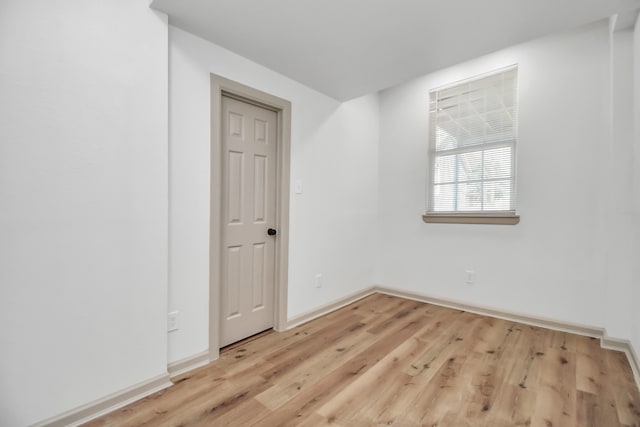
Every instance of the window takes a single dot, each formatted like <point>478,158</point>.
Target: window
<point>472,144</point>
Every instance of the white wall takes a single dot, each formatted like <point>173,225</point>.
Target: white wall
<point>334,153</point>
<point>83,202</point>
<point>553,263</point>
<point>635,188</point>
<point>617,189</point>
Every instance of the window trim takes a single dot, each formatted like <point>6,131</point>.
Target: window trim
<point>492,218</point>
<point>503,217</point>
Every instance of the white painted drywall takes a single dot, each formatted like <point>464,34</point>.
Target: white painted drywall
<point>635,188</point>
<point>83,202</point>
<point>617,189</point>
<point>333,152</point>
<point>552,264</point>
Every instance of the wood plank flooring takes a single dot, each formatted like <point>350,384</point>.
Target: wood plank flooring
<point>390,361</point>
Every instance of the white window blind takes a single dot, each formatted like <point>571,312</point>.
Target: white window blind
<point>472,141</point>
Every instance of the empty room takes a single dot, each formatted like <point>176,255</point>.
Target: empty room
<point>354,213</point>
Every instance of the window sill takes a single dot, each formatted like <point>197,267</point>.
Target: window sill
<point>471,219</point>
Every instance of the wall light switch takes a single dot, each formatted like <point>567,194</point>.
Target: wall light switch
<point>298,186</point>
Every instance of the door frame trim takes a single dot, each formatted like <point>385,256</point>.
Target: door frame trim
<point>221,86</point>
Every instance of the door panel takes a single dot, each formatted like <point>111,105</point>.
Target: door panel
<point>235,186</point>
<point>258,276</point>
<point>234,274</point>
<point>260,179</point>
<point>249,209</point>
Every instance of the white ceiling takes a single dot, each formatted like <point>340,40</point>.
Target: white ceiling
<point>348,48</point>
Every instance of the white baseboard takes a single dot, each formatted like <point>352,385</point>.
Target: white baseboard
<point>573,328</point>
<point>115,401</point>
<point>626,347</point>
<point>187,364</point>
<point>328,308</point>
<point>634,361</point>
<point>90,411</point>
<point>556,325</point>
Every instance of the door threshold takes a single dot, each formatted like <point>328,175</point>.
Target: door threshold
<point>244,341</point>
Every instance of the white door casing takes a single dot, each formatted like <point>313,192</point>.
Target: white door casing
<point>248,212</point>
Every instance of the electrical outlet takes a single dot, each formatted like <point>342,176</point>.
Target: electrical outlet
<point>318,280</point>
<point>172,321</point>
<point>471,277</point>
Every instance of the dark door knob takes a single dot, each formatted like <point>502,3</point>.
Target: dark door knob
<point>271,232</point>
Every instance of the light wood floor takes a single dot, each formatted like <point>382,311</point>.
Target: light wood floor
<point>391,361</point>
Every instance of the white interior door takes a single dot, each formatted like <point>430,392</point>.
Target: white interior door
<point>248,217</point>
